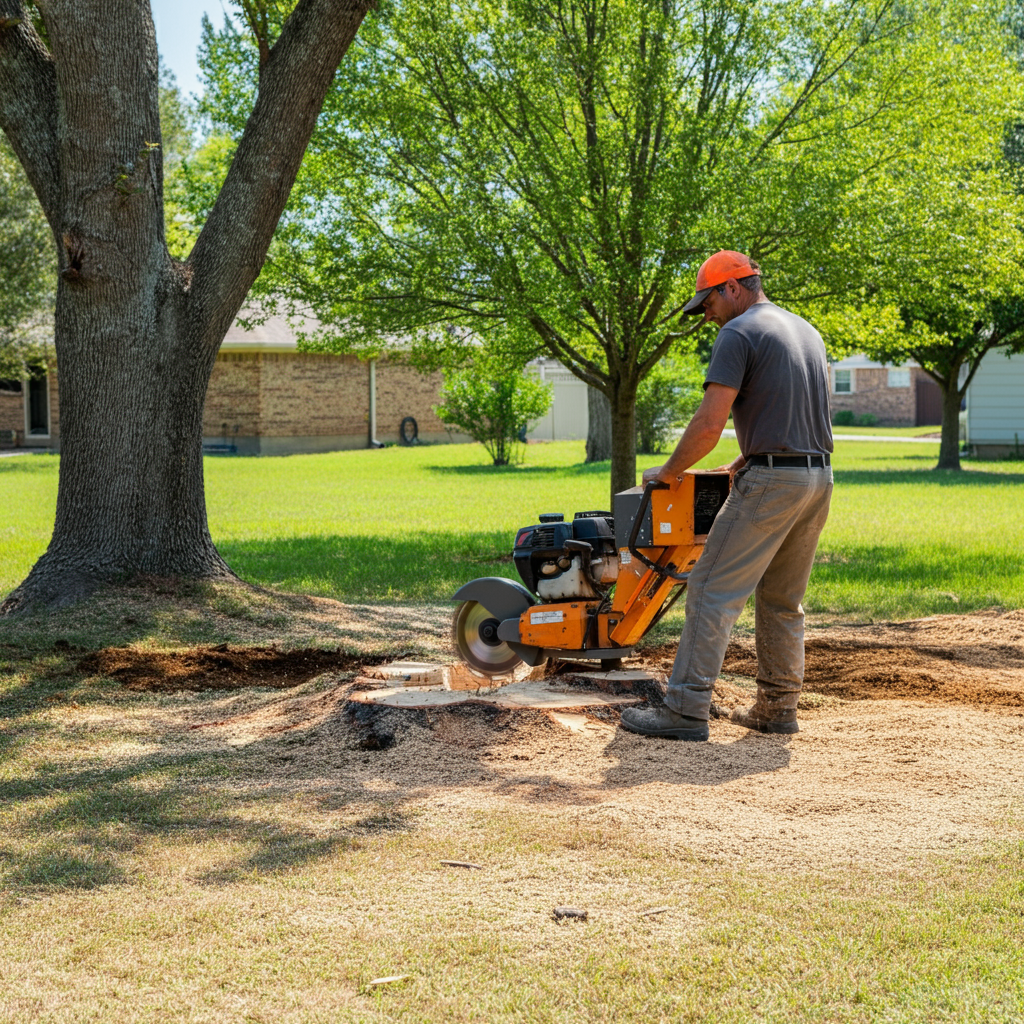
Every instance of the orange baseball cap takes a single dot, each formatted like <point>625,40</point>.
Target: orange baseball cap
<point>716,270</point>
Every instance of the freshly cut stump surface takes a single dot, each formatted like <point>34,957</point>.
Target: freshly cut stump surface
<point>379,714</point>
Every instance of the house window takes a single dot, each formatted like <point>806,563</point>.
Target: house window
<point>9,387</point>
<point>899,378</point>
<point>37,409</point>
<point>842,381</point>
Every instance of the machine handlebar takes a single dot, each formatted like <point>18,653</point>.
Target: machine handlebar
<point>634,533</point>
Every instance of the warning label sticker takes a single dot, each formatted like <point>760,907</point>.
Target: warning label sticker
<point>538,618</point>
<point>665,527</point>
<point>624,556</point>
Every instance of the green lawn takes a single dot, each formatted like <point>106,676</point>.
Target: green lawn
<point>153,870</point>
<point>887,431</point>
<point>411,525</point>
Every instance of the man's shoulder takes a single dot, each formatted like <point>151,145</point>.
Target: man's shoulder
<point>767,317</point>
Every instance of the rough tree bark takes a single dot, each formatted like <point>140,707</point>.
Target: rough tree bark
<point>136,332</point>
<point>599,426</point>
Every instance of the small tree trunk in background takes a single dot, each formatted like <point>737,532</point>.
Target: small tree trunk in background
<point>623,410</point>
<point>949,449</point>
<point>599,428</point>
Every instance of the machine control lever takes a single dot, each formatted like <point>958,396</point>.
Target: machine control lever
<point>578,545</point>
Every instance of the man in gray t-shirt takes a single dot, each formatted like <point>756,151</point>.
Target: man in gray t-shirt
<point>776,362</point>
<point>768,368</point>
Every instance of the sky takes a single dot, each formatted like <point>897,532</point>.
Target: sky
<point>178,26</point>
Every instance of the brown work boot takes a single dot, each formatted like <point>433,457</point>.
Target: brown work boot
<point>773,711</point>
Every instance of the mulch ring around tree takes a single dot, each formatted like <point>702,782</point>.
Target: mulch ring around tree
<point>224,667</point>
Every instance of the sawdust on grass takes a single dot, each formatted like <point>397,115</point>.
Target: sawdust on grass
<point>965,660</point>
<point>221,667</point>
<point>911,743</point>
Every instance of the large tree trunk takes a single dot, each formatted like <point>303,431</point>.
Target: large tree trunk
<point>599,426</point>
<point>136,333</point>
<point>623,408</point>
<point>949,448</point>
<point>130,499</point>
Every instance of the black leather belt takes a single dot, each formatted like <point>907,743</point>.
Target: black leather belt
<point>805,461</point>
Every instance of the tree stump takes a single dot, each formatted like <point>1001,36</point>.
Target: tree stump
<point>379,715</point>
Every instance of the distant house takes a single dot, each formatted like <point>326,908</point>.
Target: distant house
<point>266,397</point>
<point>995,406</point>
<point>29,412</point>
<point>568,418</point>
<point>894,395</point>
<point>897,396</point>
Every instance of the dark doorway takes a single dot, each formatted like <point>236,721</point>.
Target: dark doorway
<point>39,407</point>
<point>929,403</point>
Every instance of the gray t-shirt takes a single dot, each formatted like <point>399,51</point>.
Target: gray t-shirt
<point>776,360</point>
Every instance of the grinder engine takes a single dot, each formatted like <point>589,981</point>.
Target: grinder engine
<point>560,561</point>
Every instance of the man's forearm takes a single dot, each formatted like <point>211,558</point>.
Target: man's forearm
<point>699,439</point>
<point>701,435</point>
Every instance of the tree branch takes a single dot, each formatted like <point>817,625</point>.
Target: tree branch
<point>294,81</point>
<point>28,103</point>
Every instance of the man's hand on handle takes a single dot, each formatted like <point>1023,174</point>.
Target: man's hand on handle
<point>731,468</point>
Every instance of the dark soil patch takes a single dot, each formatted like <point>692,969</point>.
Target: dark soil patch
<point>932,661</point>
<point>217,668</point>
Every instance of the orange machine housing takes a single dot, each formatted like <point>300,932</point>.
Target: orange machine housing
<point>673,544</point>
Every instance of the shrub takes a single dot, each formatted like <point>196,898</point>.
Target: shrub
<point>844,418</point>
<point>666,399</point>
<point>867,419</point>
<point>494,403</point>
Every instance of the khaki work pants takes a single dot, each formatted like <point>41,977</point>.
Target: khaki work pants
<point>762,542</point>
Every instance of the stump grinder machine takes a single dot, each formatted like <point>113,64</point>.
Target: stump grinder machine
<point>591,587</point>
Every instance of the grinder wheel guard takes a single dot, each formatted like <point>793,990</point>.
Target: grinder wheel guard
<point>475,634</point>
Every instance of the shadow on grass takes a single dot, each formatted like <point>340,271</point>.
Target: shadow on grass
<point>427,567</point>
<point>577,469</point>
<point>80,827</point>
<point>75,822</point>
<point>29,463</point>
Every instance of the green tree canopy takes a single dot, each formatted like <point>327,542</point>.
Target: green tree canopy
<point>950,292</point>
<point>554,171</point>
<point>27,270</point>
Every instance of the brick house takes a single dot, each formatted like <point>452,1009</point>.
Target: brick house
<point>898,396</point>
<point>30,412</point>
<point>266,397</point>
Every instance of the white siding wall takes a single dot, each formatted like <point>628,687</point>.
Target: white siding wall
<point>995,400</point>
<point>567,419</point>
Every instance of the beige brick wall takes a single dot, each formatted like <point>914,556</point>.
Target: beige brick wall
<point>12,412</point>
<point>300,394</point>
<point>403,391</point>
<point>233,396</point>
<point>311,395</point>
<point>54,404</point>
<point>894,407</point>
